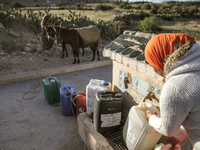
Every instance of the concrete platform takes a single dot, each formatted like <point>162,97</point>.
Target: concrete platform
<point>92,139</point>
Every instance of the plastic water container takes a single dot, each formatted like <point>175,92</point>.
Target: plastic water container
<point>68,102</point>
<point>137,133</point>
<point>107,111</point>
<point>80,102</point>
<point>92,88</point>
<point>51,87</point>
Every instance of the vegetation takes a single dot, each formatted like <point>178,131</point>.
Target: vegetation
<point>168,17</point>
<point>9,45</point>
<point>103,7</point>
<point>143,12</point>
<point>148,25</point>
<point>17,5</point>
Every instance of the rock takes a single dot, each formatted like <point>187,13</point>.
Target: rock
<point>14,33</point>
<point>38,47</point>
<point>28,49</point>
<point>57,48</point>
<point>14,53</point>
<point>1,27</point>
<point>28,44</point>
<point>24,53</point>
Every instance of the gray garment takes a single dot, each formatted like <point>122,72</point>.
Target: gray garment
<point>180,98</point>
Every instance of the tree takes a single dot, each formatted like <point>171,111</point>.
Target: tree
<point>177,9</point>
<point>154,9</point>
<point>146,6</point>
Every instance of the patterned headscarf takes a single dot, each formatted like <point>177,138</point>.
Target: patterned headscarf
<point>161,45</point>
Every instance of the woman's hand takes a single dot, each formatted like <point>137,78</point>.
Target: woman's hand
<point>161,146</point>
<point>149,114</point>
<point>173,141</point>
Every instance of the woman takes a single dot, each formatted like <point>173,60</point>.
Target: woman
<point>46,43</point>
<point>176,57</point>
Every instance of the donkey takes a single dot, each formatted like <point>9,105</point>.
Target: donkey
<point>72,37</point>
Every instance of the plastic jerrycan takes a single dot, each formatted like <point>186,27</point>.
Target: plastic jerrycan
<point>81,102</point>
<point>107,111</point>
<point>94,86</point>
<point>51,87</point>
<point>68,102</point>
<point>137,133</point>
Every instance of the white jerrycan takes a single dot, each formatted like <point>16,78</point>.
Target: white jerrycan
<point>137,133</point>
<point>94,86</point>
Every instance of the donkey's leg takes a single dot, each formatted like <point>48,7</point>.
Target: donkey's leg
<point>64,49</point>
<point>74,53</point>
<point>77,54</point>
<point>98,54</point>
<point>97,49</point>
<point>82,51</point>
<point>93,52</point>
<point>94,48</point>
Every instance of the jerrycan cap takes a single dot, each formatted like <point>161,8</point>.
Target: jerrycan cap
<point>53,80</point>
<point>105,83</point>
<point>118,95</point>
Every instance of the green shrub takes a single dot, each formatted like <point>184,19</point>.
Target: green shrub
<point>17,5</point>
<point>107,31</point>
<point>61,8</point>
<point>168,17</point>
<point>125,6</point>
<point>9,45</point>
<point>127,17</point>
<point>78,5</point>
<point>146,6</point>
<point>148,25</point>
<point>37,5</point>
<point>62,14</point>
<point>103,7</point>
<point>143,14</point>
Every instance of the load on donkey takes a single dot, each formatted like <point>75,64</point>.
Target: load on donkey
<point>77,38</point>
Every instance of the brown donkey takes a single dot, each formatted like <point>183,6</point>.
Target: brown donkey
<point>77,38</point>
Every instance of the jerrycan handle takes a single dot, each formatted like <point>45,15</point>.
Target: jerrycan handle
<point>96,81</point>
<point>150,96</point>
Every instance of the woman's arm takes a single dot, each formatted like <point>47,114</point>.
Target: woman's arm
<point>174,108</point>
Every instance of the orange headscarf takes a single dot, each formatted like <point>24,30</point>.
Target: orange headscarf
<point>162,45</point>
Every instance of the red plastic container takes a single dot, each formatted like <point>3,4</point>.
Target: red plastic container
<point>81,102</point>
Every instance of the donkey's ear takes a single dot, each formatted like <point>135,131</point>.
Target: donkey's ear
<point>61,25</point>
<point>44,27</point>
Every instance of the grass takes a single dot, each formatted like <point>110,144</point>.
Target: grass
<point>9,45</point>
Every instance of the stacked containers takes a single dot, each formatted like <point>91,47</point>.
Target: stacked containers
<point>137,133</point>
<point>107,111</point>
<point>80,102</point>
<point>67,97</point>
<point>51,87</point>
<point>92,88</point>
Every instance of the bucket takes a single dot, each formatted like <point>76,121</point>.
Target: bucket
<point>67,98</point>
<point>92,88</point>
<point>51,87</point>
<point>137,133</point>
<point>81,102</point>
<point>107,111</point>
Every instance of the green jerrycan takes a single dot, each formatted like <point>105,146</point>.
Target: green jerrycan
<point>51,86</point>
